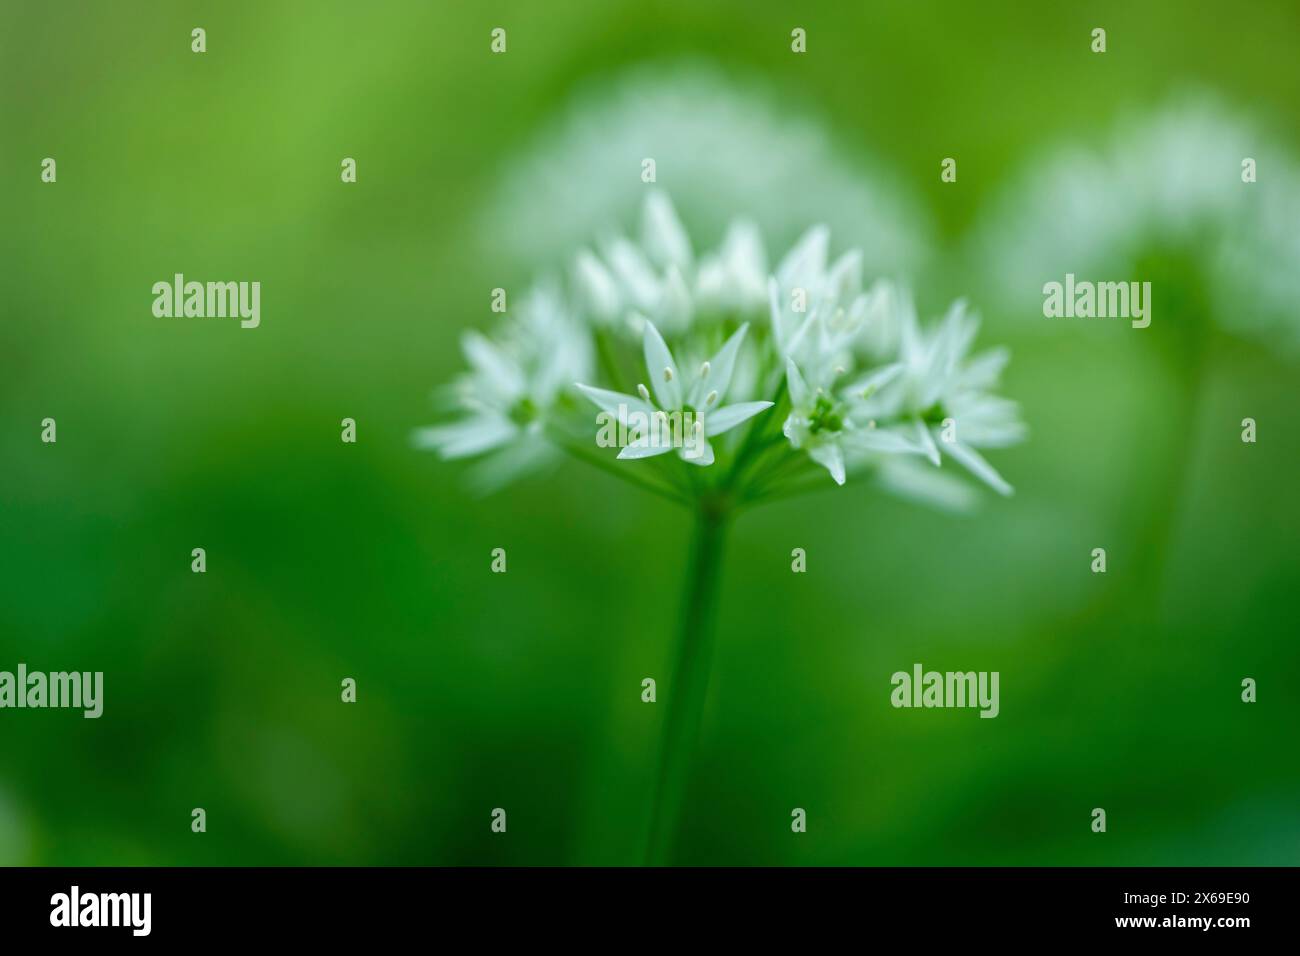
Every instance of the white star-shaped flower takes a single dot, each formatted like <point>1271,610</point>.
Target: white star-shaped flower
<point>685,410</point>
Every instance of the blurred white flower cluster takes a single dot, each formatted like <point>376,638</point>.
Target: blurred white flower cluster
<point>518,382</point>
<point>723,145</point>
<point>1167,184</point>
<point>786,372</point>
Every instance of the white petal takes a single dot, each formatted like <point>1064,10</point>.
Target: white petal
<point>662,233</point>
<point>884,440</point>
<point>665,380</point>
<point>675,306</point>
<point>960,328</point>
<point>928,447</point>
<point>596,287</point>
<point>795,384</point>
<point>974,463</point>
<point>742,251</point>
<point>616,403</point>
<point>845,277</point>
<point>697,452</point>
<point>874,381</point>
<point>989,421</point>
<point>983,370</point>
<point>720,368</point>
<point>912,344</point>
<point>806,333</point>
<point>999,435</point>
<point>492,363</point>
<point>470,436</point>
<point>647,450</point>
<point>908,478</point>
<point>831,458</point>
<point>725,419</point>
<point>794,428</point>
<point>632,269</point>
<point>776,315</point>
<point>636,323</point>
<point>806,261</point>
<point>510,462</point>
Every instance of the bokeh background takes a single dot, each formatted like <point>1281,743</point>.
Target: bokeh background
<point>522,690</point>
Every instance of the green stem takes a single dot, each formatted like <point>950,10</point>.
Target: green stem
<point>1186,349</point>
<point>763,433</point>
<point>789,464</point>
<point>1153,548</point>
<point>779,492</point>
<point>688,689</point>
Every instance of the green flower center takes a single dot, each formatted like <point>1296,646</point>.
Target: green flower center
<point>935,414</point>
<point>825,416</point>
<point>524,411</point>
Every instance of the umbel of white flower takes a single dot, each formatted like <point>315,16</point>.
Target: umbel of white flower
<point>769,377</point>
<point>1169,183</point>
<point>518,383</point>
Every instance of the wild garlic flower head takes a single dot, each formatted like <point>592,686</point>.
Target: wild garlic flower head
<point>822,421</point>
<point>757,376</point>
<point>932,397</point>
<point>945,395</point>
<point>866,384</point>
<point>1170,183</point>
<point>518,381</point>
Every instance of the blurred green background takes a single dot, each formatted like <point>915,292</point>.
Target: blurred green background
<point>522,690</point>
